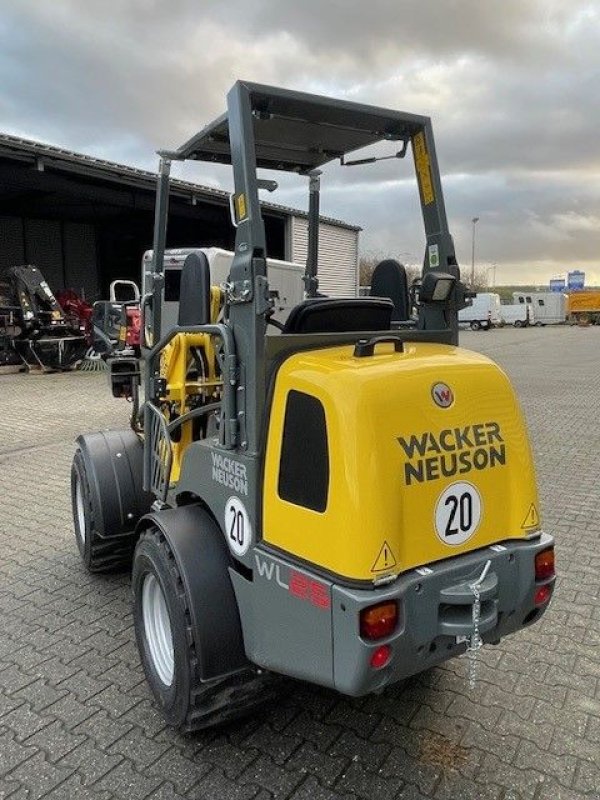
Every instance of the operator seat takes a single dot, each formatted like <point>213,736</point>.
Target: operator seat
<point>389,280</point>
<point>194,294</point>
<point>333,315</point>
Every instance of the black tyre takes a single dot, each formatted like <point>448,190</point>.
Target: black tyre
<point>99,553</point>
<point>475,325</point>
<point>518,323</point>
<point>168,650</point>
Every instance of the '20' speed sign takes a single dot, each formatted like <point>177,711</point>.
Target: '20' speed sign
<point>457,513</point>
<point>238,528</point>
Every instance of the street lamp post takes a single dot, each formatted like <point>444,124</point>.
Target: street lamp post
<point>475,220</point>
<point>492,269</point>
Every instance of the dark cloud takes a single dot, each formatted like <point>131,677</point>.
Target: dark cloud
<point>511,87</point>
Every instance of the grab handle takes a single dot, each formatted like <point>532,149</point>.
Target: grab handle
<point>366,347</point>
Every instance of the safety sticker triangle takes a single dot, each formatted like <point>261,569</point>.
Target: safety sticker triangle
<point>385,560</point>
<point>532,520</point>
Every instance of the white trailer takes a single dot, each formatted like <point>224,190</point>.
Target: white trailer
<point>520,315</point>
<point>549,308</point>
<point>285,279</point>
<point>484,312</point>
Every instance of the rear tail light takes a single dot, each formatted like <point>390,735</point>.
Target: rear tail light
<point>377,622</point>
<point>381,656</point>
<point>542,595</point>
<point>544,565</point>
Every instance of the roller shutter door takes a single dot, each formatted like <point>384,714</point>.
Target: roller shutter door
<point>12,253</point>
<point>80,259</point>
<point>338,256</point>
<point>43,249</point>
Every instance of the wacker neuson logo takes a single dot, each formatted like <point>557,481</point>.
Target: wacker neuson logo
<point>452,451</point>
<point>442,395</point>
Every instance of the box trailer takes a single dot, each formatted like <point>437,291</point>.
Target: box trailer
<point>285,278</point>
<point>520,315</point>
<point>549,308</point>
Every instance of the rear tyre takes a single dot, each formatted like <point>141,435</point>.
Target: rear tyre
<point>168,650</point>
<point>99,553</point>
<point>539,324</point>
<point>475,325</point>
<point>518,323</point>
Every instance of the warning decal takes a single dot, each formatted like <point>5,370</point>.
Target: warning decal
<point>240,207</point>
<point>421,157</point>
<point>385,560</point>
<point>532,520</point>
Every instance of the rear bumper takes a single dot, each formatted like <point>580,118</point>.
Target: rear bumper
<point>435,606</point>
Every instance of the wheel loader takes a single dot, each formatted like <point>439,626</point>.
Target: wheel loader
<point>344,496</point>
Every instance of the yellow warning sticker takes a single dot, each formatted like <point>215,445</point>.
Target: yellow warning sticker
<point>421,157</point>
<point>385,560</point>
<point>532,519</point>
<point>240,207</point>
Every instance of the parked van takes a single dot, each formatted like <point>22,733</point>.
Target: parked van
<point>518,314</point>
<point>549,308</point>
<point>484,312</point>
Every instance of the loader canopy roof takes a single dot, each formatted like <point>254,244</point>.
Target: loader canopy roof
<point>299,132</point>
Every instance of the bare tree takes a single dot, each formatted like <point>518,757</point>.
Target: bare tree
<point>481,283</point>
<point>368,261</point>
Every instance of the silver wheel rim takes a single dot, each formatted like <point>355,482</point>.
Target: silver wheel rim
<point>157,628</point>
<point>80,509</point>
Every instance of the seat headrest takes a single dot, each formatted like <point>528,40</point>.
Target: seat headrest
<point>194,293</point>
<point>389,280</point>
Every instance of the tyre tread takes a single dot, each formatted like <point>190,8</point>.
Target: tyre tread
<point>221,699</point>
<point>106,553</point>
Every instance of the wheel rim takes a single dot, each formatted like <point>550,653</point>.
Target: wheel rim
<point>157,628</point>
<point>80,510</point>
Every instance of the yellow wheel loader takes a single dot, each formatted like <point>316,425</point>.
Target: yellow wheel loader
<point>344,496</point>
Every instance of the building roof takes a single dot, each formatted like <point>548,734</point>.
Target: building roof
<point>68,161</point>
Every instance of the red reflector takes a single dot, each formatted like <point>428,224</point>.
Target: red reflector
<point>542,595</point>
<point>381,656</point>
<point>544,564</point>
<point>377,622</point>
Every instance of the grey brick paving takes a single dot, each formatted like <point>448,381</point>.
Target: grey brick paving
<point>76,720</point>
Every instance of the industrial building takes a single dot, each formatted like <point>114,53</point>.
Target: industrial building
<point>85,221</point>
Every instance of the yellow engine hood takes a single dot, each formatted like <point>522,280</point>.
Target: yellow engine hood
<point>428,458</point>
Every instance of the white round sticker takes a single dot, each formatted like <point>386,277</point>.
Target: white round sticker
<point>238,530</point>
<point>457,513</point>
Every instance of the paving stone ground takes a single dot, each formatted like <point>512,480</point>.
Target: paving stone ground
<point>76,718</point>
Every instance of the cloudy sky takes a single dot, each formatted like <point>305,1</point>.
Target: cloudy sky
<point>513,87</point>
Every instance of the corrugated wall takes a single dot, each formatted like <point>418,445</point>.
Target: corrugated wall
<point>65,252</point>
<point>338,256</point>
<point>12,243</point>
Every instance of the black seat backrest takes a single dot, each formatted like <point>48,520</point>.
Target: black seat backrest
<point>389,280</point>
<point>194,293</point>
<point>332,315</point>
